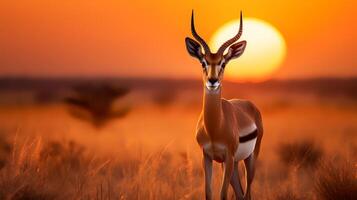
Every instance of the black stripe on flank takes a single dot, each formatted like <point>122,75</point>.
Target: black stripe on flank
<point>248,137</point>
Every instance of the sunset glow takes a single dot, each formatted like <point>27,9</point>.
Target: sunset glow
<point>146,38</point>
<point>132,100</point>
<point>265,51</point>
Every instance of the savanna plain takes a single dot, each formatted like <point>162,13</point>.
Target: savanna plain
<point>135,139</point>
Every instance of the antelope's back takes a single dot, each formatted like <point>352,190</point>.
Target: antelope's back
<point>247,116</point>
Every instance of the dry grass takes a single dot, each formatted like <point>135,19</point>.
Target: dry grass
<point>304,154</point>
<point>41,169</point>
<point>287,195</point>
<point>337,179</point>
<point>65,170</point>
<point>5,149</point>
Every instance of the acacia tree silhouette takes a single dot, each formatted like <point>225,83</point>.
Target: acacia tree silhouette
<point>94,103</point>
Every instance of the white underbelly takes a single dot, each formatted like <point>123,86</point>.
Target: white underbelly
<point>245,149</point>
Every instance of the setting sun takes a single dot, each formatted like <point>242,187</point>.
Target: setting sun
<point>263,55</point>
<point>137,100</point>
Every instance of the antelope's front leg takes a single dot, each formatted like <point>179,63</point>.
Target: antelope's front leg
<point>227,174</point>
<point>207,164</point>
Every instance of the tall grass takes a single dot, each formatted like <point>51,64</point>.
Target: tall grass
<point>65,170</point>
<point>337,179</point>
<point>40,169</point>
<point>301,154</point>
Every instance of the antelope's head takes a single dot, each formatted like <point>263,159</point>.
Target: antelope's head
<point>213,64</point>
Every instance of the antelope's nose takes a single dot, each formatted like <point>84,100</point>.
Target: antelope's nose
<point>212,83</point>
<point>212,80</point>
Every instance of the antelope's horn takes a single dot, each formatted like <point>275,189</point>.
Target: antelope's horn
<point>233,39</point>
<point>197,37</point>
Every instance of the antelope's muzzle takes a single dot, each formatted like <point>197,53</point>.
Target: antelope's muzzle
<point>212,84</point>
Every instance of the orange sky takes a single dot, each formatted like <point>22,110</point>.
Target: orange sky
<point>118,38</point>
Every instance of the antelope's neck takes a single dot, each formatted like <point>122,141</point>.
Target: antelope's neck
<point>212,111</point>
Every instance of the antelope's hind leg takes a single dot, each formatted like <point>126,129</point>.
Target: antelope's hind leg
<point>235,182</point>
<point>250,172</point>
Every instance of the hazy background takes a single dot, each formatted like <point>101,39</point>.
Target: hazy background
<point>100,99</point>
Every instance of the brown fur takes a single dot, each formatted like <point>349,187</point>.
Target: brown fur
<point>221,122</point>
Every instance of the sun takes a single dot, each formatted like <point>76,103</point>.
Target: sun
<point>264,54</point>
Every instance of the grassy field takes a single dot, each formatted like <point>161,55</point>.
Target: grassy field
<point>55,143</point>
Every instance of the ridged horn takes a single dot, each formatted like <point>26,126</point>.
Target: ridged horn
<point>233,39</point>
<point>197,37</point>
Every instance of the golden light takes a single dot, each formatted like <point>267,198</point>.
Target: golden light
<point>265,51</point>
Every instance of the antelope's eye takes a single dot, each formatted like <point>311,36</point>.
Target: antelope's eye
<point>223,64</point>
<point>204,63</point>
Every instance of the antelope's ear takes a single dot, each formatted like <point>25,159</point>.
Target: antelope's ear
<point>193,48</point>
<point>235,50</point>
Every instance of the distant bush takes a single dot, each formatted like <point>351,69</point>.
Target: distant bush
<point>305,154</point>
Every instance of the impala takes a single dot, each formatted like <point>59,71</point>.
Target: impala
<point>228,131</point>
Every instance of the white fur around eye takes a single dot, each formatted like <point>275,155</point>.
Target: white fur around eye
<point>219,69</point>
<point>222,62</point>
<point>204,63</point>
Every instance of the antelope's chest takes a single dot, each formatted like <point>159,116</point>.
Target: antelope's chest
<point>216,151</point>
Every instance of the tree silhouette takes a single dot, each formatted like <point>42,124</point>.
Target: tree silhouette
<point>95,103</point>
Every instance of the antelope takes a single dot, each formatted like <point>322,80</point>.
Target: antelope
<point>228,131</point>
